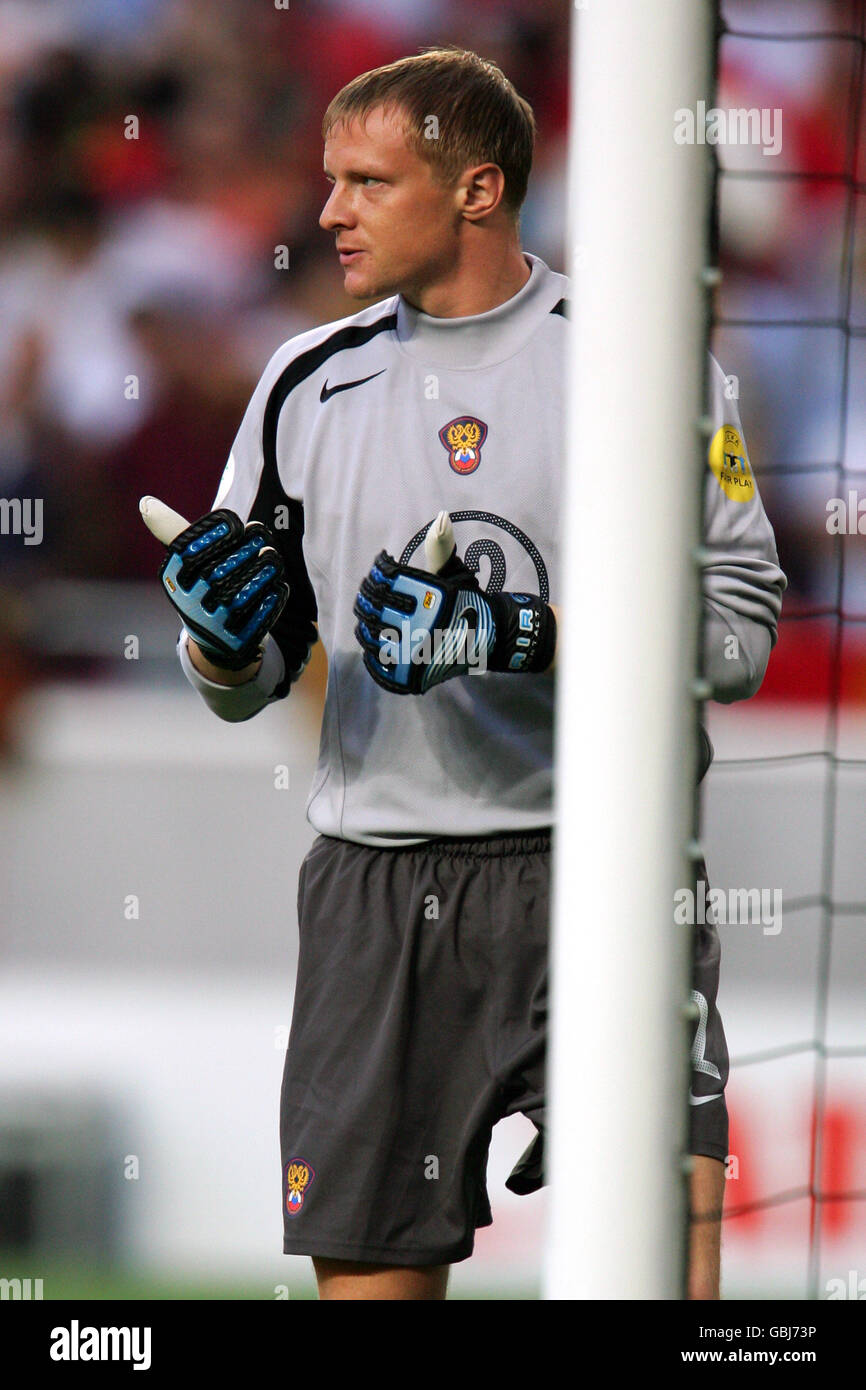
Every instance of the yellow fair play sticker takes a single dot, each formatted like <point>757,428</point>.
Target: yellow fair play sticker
<point>730,463</point>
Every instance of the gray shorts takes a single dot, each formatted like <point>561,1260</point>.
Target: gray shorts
<point>420,1021</point>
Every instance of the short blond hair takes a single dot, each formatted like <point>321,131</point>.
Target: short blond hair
<point>480,117</point>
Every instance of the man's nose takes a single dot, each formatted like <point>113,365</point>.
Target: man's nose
<point>336,212</point>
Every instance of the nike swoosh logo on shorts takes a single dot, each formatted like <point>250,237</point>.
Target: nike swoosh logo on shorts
<point>702,1100</point>
<point>328,391</point>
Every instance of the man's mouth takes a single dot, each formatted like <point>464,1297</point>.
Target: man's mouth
<point>348,254</point>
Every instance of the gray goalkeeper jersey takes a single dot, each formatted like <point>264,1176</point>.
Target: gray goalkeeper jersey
<point>358,433</point>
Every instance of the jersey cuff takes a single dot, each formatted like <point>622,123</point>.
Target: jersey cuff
<point>235,703</point>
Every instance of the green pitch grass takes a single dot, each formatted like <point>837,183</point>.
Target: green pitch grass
<point>63,1280</point>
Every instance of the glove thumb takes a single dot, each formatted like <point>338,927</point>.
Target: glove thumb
<point>439,544</point>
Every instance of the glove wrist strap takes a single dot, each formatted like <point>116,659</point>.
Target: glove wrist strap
<point>224,660</point>
<point>525,634</point>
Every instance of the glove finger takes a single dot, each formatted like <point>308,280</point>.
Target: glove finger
<point>368,639</point>
<point>262,584</point>
<point>229,564</point>
<point>379,583</point>
<point>383,676</point>
<point>375,626</point>
<point>251,560</point>
<point>214,535</point>
<point>381,593</point>
<point>367,610</point>
<point>237,570</point>
<point>254,529</point>
<point>379,673</point>
<point>381,646</point>
<point>386,565</point>
<point>268,555</point>
<point>259,623</point>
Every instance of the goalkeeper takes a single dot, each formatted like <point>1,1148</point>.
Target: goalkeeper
<point>421,1000</point>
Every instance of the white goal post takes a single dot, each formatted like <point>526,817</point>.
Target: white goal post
<point>626,756</point>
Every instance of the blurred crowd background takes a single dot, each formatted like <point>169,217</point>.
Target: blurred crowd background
<point>792,313</point>
<point>155,153</point>
<point>141,294</point>
<point>154,257</point>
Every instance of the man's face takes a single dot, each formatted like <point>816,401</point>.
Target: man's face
<point>395,224</point>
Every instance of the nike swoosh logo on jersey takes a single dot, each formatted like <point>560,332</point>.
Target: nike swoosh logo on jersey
<point>702,1100</point>
<point>328,391</point>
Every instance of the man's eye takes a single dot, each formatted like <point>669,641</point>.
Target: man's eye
<point>368,179</point>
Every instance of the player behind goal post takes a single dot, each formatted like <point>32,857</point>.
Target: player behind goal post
<point>420,1013</point>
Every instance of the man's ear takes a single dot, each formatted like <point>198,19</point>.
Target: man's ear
<point>482,189</point>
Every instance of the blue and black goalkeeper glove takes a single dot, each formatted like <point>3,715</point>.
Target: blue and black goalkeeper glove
<point>226,581</point>
<point>418,629</point>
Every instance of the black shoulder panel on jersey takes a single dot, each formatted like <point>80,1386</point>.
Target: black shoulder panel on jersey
<point>294,631</point>
<point>304,366</point>
<point>560,308</point>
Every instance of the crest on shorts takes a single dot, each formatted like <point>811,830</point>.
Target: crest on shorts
<point>299,1176</point>
<point>463,439</point>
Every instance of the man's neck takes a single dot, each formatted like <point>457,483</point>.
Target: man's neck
<point>475,286</point>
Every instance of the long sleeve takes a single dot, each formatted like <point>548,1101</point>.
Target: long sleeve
<point>235,703</point>
<point>741,579</point>
<point>252,487</point>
